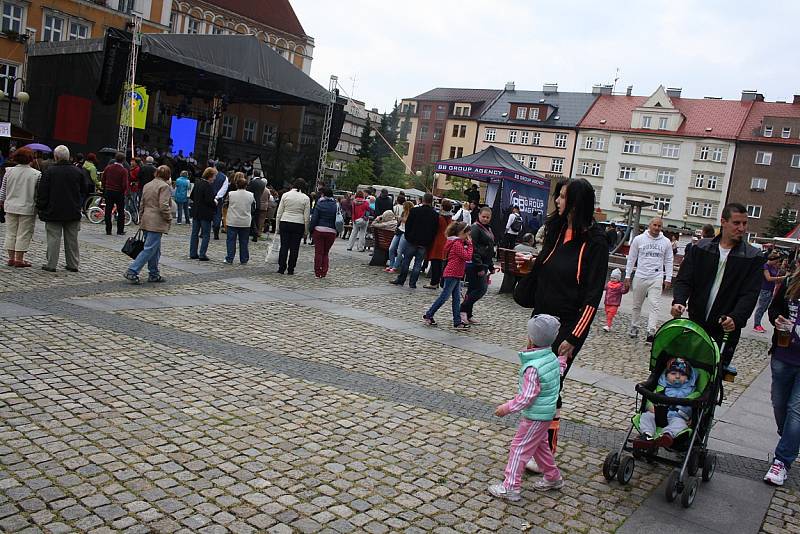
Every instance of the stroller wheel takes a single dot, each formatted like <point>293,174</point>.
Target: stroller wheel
<point>689,491</point>
<point>709,466</point>
<point>625,472</point>
<point>610,466</point>
<point>671,491</point>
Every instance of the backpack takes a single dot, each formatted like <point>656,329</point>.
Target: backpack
<point>516,226</point>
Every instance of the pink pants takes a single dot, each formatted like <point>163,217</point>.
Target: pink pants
<point>530,442</point>
<point>611,311</point>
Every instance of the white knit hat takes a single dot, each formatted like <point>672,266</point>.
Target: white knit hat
<point>616,274</point>
<point>543,329</point>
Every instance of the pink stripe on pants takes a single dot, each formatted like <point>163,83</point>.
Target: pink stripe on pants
<point>530,442</point>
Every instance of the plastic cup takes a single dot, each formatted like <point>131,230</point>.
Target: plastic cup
<point>783,332</point>
<point>527,266</point>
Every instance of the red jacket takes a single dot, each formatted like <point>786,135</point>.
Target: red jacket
<point>458,252</point>
<point>360,208</point>
<point>436,250</point>
<point>614,291</point>
<point>115,178</point>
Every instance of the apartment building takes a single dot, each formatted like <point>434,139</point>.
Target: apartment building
<point>356,117</point>
<point>766,174</point>
<point>677,152</point>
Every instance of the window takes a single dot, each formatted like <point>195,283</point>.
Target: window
<point>712,181</point>
<point>455,130</point>
<point>601,143</point>
<point>632,147</point>
<point>78,31</point>
<point>534,114</point>
<point>716,154</point>
<point>462,132</point>
<point>12,17</point>
<point>786,133</point>
<point>767,131</point>
<point>420,152</point>
<point>704,150</point>
<point>126,6</point>
<point>596,169</point>
<point>423,132</point>
<point>456,152</point>
<point>268,134</point>
<point>618,198</point>
<point>708,209</point>
<point>512,136</point>
<point>795,160</point>
<point>435,154</point>
<point>561,140</point>
<point>217,30</point>
<point>204,127</point>
<point>763,158</point>
<point>557,165</point>
<point>754,211</point>
<point>588,143</point>
<point>524,137</point>
<point>662,123</point>
<point>426,112</point>
<point>670,150</point>
<point>662,204</point>
<point>491,133</point>
<point>532,160</point>
<point>228,126</point>
<point>758,184</point>
<point>585,167</point>
<point>457,110</point>
<point>646,121</point>
<point>536,138</point>
<point>53,28</point>
<point>665,177</point>
<point>7,75</point>
<point>437,132</point>
<point>522,113</point>
<point>193,26</point>
<point>694,207</point>
<point>793,188</point>
<point>699,180</point>
<point>627,173</point>
<point>249,132</point>
<point>441,112</point>
<point>791,215</point>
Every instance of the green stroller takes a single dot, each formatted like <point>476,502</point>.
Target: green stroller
<point>689,449</point>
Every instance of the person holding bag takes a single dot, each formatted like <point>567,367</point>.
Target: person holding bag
<point>155,216</point>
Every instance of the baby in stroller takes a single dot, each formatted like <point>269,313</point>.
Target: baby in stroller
<point>677,381</point>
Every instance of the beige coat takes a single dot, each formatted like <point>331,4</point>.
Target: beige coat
<point>20,190</point>
<point>295,207</point>
<point>155,211</point>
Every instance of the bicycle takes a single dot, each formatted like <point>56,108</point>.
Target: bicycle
<point>97,214</point>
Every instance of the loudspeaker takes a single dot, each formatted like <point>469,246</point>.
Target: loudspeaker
<point>337,123</point>
<point>113,74</point>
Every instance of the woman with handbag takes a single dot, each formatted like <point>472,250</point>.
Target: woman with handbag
<point>323,226</point>
<point>155,213</point>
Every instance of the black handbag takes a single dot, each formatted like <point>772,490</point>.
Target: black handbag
<point>134,245</point>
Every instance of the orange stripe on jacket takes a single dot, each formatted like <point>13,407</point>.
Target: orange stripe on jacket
<point>588,314</point>
<point>580,262</point>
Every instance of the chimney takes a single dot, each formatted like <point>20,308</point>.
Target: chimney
<point>600,89</point>
<point>749,95</point>
<point>510,86</point>
<point>796,99</point>
<point>549,88</point>
<point>674,92</point>
<point>629,91</point>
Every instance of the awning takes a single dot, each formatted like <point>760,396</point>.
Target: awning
<point>492,165</point>
<point>795,233</point>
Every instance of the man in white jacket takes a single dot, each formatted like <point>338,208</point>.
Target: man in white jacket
<point>651,254</point>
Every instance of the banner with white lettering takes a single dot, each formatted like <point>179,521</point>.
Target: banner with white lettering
<point>530,199</point>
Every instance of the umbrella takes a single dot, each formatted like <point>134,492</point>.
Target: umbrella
<point>38,147</point>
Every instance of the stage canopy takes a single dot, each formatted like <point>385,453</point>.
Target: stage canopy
<point>491,165</point>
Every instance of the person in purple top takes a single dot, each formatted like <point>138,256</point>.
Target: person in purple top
<point>771,275</point>
<point>784,313</point>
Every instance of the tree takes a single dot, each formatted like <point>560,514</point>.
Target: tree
<point>358,172</point>
<point>393,172</point>
<point>366,141</point>
<point>779,224</point>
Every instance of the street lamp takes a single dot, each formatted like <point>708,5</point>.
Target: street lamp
<point>21,97</point>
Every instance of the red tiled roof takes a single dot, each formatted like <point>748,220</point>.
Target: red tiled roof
<point>751,131</point>
<point>276,13</point>
<point>724,117</point>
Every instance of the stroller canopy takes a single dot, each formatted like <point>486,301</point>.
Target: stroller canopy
<point>687,339</point>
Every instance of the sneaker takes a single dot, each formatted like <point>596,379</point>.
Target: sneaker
<point>606,328</point>
<point>429,321</point>
<point>664,441</point>
<point>544,485</point>
<point>204,258</point>
<point>157,279</point>
<point>392,270</point>
<point>132,277</point>
<point>387,270</point>
<point>760,329</point>
<point>532,466</point>
<point>430,286</point>
<point>396,282</point>
<point>634,331</point>
<point>461,326</point>
<point>777,474</point>
<point>501,492</point>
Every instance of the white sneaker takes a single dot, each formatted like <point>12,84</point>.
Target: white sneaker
<point>532,466</point>
<point>543,484</point>
<point>777,474</point>
<point>606,328</point>
<point>501,492</point>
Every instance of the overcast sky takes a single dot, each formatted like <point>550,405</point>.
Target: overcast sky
<point>395,50</point>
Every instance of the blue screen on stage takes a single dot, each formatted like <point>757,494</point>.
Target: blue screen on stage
<point>183,133</point>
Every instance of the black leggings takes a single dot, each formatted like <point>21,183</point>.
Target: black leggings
<point>291,235</point>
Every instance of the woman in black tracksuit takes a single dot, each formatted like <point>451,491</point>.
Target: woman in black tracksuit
<point>569,274</point>
<point>482,265</point>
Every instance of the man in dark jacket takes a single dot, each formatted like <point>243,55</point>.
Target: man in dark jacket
<point>203,209</point>
<point>146,173</point>
<point>720,279</point>
<point>58,201</point>
<point>383,202</point>
<point>115,186</point>
<point>421,228</point>
<point>257,186</point>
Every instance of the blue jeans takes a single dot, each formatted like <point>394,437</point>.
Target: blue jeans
<point>183,208</point>
<point>452,287</point>
<point>764,298</point>
<point>218,215</point>
<point>394,257</point>
<point>202,229</point>
<point>476,288</point>
<point>409,251</point>
<point>786,405</point>
<point>243,234</point>
<point>150,255</point>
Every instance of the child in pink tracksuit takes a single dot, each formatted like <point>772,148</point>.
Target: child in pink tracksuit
<point>614,291</point>
<point>539,384</point>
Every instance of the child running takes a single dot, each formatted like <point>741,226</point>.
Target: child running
<point>539,384</point>
<point>614,291</point>
<point>457,252</point>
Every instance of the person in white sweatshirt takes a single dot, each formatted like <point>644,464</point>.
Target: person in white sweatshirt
<point>651,254</point>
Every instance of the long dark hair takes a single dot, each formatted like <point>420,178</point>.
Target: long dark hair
<point>579,208</point>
